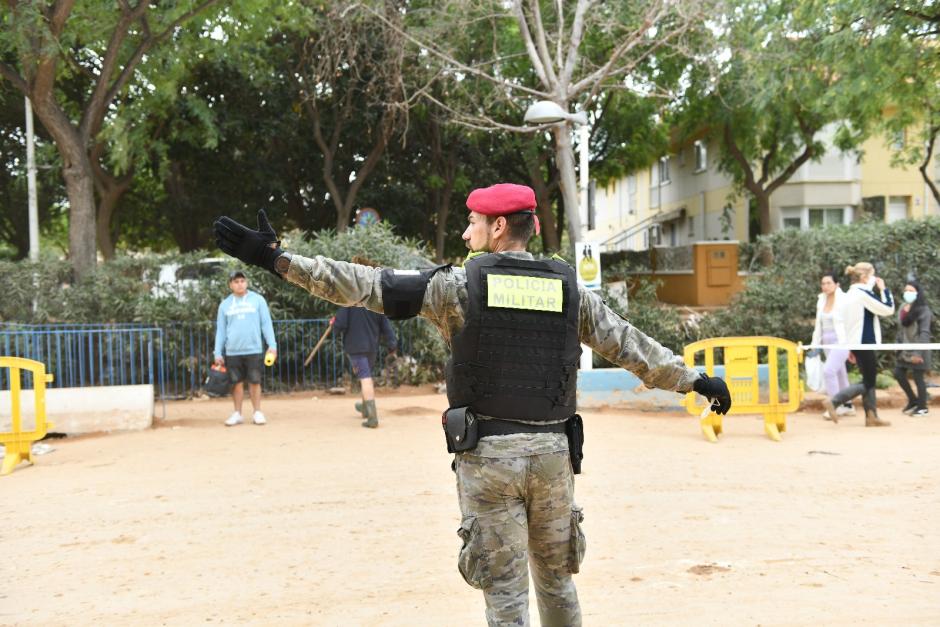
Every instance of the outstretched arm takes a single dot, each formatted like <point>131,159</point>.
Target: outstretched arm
<point>339,282</point>
<point>621,343</point>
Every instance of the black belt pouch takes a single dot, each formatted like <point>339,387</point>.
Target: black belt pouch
<point>460,429</point>
<point>574,429</point>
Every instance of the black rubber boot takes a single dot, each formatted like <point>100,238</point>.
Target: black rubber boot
<point>360,409</point>
<point>371,415</point>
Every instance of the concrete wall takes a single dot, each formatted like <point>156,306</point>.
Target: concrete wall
<point>75,411</point>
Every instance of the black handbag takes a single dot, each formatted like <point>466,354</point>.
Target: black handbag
<point>218,383</point>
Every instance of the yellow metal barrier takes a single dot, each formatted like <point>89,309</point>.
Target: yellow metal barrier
<point>18,443</point>
<point>742,374</point>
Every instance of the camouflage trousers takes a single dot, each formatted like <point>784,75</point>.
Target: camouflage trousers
<point>516,511</point>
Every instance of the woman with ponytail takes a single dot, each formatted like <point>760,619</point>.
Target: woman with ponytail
<point>866,299</point>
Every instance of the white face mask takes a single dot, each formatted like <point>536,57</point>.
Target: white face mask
<point>870,283</point>
<point>910,297</point>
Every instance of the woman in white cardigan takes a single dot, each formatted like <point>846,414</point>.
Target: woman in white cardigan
<point>863,305</point>
<point>830,329</point>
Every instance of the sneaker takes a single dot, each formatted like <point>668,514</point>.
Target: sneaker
<point>920,411</point>
<point>909,409</point>
<point>259,418</point>
<point>234,419</point>
<point>845,410</point>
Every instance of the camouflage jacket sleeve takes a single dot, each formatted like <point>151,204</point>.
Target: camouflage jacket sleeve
<point>621,343</point>
<point>351,284</point>
<point>341,283</point>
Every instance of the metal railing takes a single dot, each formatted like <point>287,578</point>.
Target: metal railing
<point>174,358</point>
<point>87,355</point>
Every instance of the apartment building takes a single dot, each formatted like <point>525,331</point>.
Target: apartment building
<point>684,198</point>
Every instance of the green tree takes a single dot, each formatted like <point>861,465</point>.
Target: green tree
<point>777,77</point>
<point>897,45</point>
<point>45,48</point>
<point>495,53</point>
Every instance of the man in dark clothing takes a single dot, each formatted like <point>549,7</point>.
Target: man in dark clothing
<point>361,330</point>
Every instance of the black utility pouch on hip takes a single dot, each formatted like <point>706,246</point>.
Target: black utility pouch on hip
<point>460,429</point>
<point>574,429</point>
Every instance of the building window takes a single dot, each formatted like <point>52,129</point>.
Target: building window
<point>792,218</point>
<point>897,140</point>
<point>664,171</point>
<point>654,236</point>
<point>897,208</point>
<point>820,217</point>
<point>701,157</point>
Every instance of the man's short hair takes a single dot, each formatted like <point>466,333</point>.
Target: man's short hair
<point>521,226</point>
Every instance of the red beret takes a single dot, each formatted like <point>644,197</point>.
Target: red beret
<point>503,199</point>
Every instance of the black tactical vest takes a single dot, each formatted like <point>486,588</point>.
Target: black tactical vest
<point>517,356</point>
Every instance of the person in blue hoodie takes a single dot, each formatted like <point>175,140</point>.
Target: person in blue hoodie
<point>242,321</point>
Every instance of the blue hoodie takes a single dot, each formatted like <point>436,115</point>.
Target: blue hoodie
<point>240,323</point>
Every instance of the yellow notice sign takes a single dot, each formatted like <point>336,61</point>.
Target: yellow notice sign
<point>524,292</point>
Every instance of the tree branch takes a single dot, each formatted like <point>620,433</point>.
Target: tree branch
<point>454,62</point>
<point>541,69</point>
<point>9,72</point>
<point>741,160</point>
<point>57,15</point>
<point>93,112</point>
<point>482,123</point>
<point>928,154</point>
<point>542,43</point>
<point>808,132</point>
<point>574,43</point>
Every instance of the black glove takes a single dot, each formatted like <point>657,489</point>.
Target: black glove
<point>715,390</point>
<point>252,247</point>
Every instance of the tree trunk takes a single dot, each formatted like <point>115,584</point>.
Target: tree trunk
<point>343,213</point>
<point>443,211</point>
<point>80,187</point>
<point>564,158</point>
<point>924,171</point>
<point>110,190</point>
<point>763,210</point>
<point>107,205</point>
<point>543,199</point>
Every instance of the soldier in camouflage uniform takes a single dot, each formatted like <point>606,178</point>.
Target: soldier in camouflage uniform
<point>516,490</point>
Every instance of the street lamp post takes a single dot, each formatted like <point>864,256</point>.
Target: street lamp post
<point>549,112</point>
<point>33,210</point>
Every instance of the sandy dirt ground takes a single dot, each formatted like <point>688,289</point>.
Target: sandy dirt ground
<point>313,520</point>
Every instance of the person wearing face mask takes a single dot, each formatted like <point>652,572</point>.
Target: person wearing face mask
<point>830,329</point>
<point>914,318</point>
<point>866,300</point>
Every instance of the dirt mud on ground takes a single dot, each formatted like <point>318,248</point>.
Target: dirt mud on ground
<point>313,520</point>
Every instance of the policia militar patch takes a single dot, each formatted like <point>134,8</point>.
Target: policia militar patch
<point>512,291</point>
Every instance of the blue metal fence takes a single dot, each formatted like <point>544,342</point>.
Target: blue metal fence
<point>88,356</point>
<point>174,358</point>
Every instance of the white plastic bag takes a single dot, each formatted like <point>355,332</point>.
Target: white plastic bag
<point>814,373</point>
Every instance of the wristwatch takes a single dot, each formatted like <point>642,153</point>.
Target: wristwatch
<point>282,263</point>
